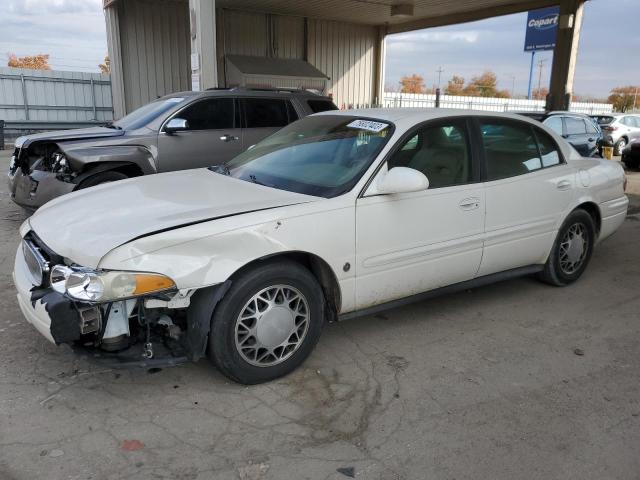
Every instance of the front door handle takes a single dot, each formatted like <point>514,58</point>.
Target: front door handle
<point>563,185</point>
<point>469,203</point>
<point>228,138</point>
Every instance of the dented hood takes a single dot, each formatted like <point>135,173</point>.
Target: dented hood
<point>85,225</point>
<point>75,134</point>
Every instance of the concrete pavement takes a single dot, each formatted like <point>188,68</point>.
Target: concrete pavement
<point>515,380</point>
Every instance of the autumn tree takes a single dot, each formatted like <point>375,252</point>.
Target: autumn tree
<point>34,62</point>
<point>106,66</point>
<point>624,98</point>
<point>455,86</point>
<point>539,94</point>
<point>484,85</point>
<point>412,84</point>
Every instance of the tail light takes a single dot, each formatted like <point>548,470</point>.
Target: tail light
<point>611,128</point>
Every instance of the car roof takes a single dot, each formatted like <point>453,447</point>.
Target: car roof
<point>417,115</point>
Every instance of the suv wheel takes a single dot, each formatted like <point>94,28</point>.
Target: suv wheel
<point>571,251</point>
<point>620,146</point>
<point>268,322</point>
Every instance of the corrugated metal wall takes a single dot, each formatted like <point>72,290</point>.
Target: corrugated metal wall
<point>344,52</point>
<point>54,96</point>
<point>155,47</point>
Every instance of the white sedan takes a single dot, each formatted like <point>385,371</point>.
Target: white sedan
<point>335,216</point>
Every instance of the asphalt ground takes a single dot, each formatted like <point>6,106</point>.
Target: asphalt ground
<point>517,380</point>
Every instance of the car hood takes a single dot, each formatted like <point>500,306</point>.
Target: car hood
<point>84,226</point>
<point>76,134</point>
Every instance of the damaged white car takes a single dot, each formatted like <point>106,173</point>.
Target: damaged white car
<point>335,216</point>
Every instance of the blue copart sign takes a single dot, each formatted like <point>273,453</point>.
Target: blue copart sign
<point>542,26</point>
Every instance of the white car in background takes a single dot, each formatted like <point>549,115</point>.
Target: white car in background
<point>337,215</point>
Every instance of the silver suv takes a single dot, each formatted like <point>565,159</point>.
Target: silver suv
<point>619,129</point>
<point>176,132</point>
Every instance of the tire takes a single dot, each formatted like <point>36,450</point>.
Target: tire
<point>100,178</point>
<point>238,346</point>
<point>560,269</point>
<point>619,146</point>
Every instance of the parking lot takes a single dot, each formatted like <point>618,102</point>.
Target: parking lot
<point>515,380</point>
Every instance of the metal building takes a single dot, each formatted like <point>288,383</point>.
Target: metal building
<point>162,46</point>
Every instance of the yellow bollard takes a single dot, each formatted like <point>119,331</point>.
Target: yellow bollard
<point>607,152</point>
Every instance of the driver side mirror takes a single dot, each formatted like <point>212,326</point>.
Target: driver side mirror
<point>400,180</point>
<point>176,125</point>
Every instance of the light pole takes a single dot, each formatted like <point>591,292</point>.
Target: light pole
<point>440,70</point>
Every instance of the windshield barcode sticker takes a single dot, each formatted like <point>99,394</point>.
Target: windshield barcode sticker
<point>368,125</point>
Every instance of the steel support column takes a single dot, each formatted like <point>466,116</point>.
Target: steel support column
<point>204,68</point>
<point>565,55</point>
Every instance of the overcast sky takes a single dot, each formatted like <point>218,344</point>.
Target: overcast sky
<point>73,33</point>
<point>609,52</point>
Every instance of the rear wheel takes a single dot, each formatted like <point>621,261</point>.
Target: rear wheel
<point>100,178</point>
<point>620,146</point>
<point>571,251</point>
<point>268,322</point>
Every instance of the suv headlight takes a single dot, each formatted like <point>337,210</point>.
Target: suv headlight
<point>103,286</point>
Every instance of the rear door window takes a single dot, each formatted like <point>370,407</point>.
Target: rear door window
<point>265,112</point>
<point>548,149</point>
<point>591,128</point>
<point>510,149</point>
<point>555,124</point>
<point>575,126</point>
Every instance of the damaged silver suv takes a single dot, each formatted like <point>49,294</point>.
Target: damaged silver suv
<point>176,132</point>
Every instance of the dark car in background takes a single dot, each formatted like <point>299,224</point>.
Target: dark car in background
<point>580,130</point>
<point>631,154</point>
<point>176,132</point>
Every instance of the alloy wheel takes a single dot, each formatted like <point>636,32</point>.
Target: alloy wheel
<point>573,248</point>
<point>272,325</point>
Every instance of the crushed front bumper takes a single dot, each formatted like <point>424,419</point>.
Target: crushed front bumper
<point>58,319</point>
<point>37,188</point>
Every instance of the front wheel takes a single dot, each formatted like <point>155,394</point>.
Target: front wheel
<point>268,322</point>
<point>101,178</point>
<point>571,251</point>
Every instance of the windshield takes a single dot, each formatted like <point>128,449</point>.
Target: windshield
<point>143,115</point>
<point>323,156</point>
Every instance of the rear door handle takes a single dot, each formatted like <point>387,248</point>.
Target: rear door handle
<point>469,203</point>
<point>228,138</point>
<point>563,185</point>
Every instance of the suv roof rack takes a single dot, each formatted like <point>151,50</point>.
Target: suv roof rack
<point>267,89</point>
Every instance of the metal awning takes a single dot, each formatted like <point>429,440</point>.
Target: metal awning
<point>278,67</point>
<point>396,15</point>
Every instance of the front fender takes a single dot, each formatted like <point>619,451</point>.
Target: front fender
<point>83,157</point>
<point>210,253</point>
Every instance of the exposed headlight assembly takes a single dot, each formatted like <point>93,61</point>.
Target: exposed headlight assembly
<point>104,286</point>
